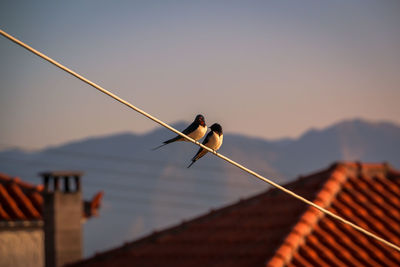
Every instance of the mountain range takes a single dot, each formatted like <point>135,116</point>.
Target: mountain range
<point>147,190</point>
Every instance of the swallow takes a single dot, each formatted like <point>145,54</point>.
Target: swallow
<point>213,140</point>
<point>196,130</point>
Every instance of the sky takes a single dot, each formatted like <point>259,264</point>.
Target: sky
<point>269,69</point>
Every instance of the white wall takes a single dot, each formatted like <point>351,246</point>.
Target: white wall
<point>21,247</point>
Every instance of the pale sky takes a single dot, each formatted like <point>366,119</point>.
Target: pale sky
<point>269,69</point>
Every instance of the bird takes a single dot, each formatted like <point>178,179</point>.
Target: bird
<point>196,130</point>
<point>213,140</point>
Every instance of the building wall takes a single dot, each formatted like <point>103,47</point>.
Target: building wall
<point>63,230</point>
<point>21,247</point>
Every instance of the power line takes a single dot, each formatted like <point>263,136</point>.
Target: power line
<point>171,212</point>
<point>119,158</point>
<point>121,174</point>
<point>138,174</point>
<point>101,89</point>
<point>137,200</point>
<point>144,202</point>
<point>141,189</point>
<point>165,203</point>
<point>151,162</point>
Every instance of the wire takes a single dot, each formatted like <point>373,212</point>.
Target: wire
<point>151,162</point>
<point>101,89</point>
<point>166,203</point>
<point>135,211</point>
<point>142,189</point>
<point>119,158</point>
<point>138,174</point>
<point>122,174</point>
<point>141,200</point>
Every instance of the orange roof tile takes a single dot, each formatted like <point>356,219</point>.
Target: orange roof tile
<point>20,200</point>
<point>9,204</point>
<point>273,229</point>
<point>362,199</point>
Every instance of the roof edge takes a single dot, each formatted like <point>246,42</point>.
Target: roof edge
<point>310,217</point>
<point>90,207</point>
<point>22,224</point>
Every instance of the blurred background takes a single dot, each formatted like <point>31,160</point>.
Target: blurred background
<point>295,86</point>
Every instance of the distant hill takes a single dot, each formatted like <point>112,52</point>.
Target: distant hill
<point>145,189</point>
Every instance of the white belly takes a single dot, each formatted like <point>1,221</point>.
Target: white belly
<point>215,141</point>
<point>198,133</point>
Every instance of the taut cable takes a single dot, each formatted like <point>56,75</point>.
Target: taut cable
<point>101,89</point>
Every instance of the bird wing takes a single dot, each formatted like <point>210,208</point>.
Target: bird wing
<point>176,138</point>
<point>191,128</point>
<point>201,152</point>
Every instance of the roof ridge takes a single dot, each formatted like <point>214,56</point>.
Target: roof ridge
<point>159,233</point>
<point>5,177</point>
<point>15,179</point>
<point>20,200</point>
<point>311,216</point>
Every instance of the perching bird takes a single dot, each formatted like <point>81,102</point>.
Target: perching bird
<point>196,130</point>
<point>213,140</point>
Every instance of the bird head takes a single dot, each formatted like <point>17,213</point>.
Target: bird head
<point>216,128</point>
<point>200,119</point>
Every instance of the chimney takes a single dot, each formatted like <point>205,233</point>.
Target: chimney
<point>62,215</point>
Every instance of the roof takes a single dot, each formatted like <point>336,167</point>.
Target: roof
<point>22,201</point>
<point>366,194</point>
<point>274,229</point>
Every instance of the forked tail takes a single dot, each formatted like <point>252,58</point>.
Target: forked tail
<point>193,161</point>
<point>158,147</point>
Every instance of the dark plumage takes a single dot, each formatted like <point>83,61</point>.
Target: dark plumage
<point>195,130</point>
<point>213,140</point>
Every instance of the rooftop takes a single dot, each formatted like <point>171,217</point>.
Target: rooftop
<point>274,229</point>
<point>21,201</point>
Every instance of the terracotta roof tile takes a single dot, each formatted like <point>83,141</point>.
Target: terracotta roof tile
<point>298,261</point>
<point>20,200</point>
<point>9,205</point>
<point>337,233</point>
<point>347,243</point>
<point>273,229</point>
<point>327,248</point>
<point>3,214</point>
<point>37,200</point>
<point>364,201</point>
<point>23,201</point>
